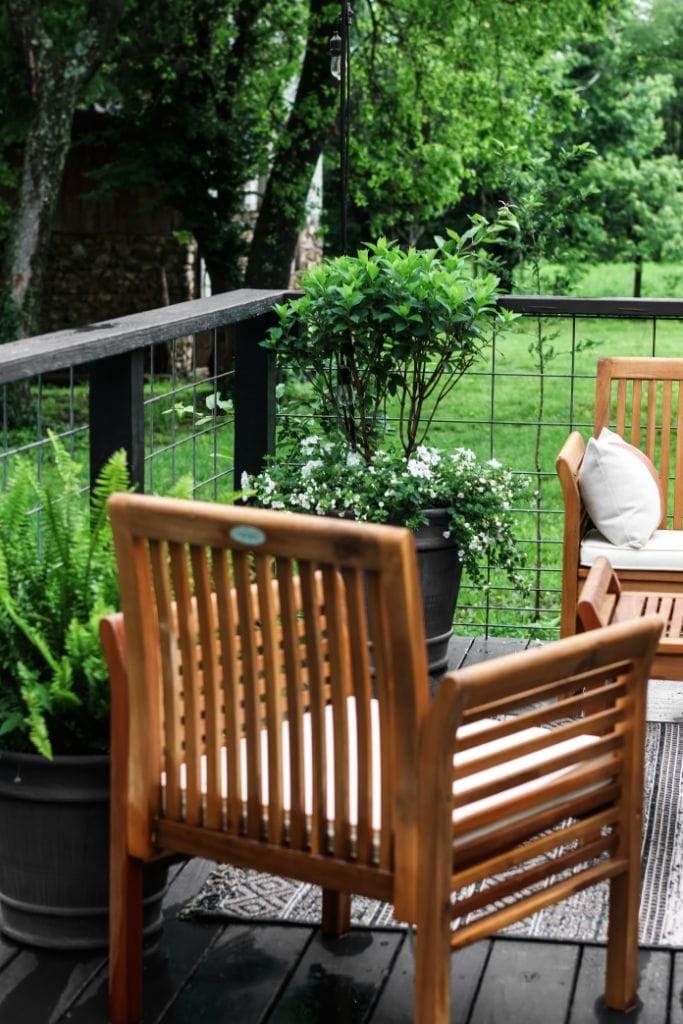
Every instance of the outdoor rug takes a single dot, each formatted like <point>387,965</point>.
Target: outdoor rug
<point>233,893</point>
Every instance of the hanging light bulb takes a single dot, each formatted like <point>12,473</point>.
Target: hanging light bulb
<point>335,56</point>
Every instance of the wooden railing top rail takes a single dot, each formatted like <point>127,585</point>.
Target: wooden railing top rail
<point>61,349</point>
<point>572,305</point>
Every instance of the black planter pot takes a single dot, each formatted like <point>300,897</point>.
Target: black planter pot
<point>54,853</point>
<point>440,572</point>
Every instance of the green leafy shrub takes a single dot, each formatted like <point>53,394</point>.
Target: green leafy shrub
<point>395,326</point>
<point>57,579</point>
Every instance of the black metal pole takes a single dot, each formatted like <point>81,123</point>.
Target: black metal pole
<point>344,91</point>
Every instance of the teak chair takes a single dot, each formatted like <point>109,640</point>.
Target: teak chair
<point>643,400</point>
<point>270,709</point>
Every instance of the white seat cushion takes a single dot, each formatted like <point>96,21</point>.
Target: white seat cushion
<point>663,551</point>
<point>462,786</point>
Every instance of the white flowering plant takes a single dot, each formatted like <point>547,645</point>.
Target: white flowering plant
<point>333,479</point>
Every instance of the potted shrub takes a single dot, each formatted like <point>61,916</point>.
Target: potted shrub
<point>380,340</point>
<point>57,578</point>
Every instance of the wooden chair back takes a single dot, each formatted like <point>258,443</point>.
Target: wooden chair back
<point>642,399</point>
<point>254,637</point>
<point>577,823</point>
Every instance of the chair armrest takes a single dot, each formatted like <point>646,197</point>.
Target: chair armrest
<point>568,464</point>
<point>599,595</point>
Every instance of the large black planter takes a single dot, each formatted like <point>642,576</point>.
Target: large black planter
<point>54,853</point>
<point>440,571</point>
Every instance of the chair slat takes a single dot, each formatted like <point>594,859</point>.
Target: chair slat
<point>188,651</point>
<point>678,480</point>
<point>651,436</point>
<point>379,635</point>
<point>621,407</point>
<point>337,633</point>
<point>570,684</point>
<point>581,702</point>
<point>290,635</point>
<point>521,777</point>
<point>213,704</point>
<point>521,880</point>
<point>274,716</point>
<point>665,448</point>
<point>635,412</point>
<point>526,906</point>
<point>529,821</point>
<point>602,719</point>
<point>310,604</point>
<point>252,694</point>
<point>227,629</point>
<point>509,859</point>
<point>170,678</point>
<point>362,692</point>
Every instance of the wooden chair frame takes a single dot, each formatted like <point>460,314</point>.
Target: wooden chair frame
<point>175,709</point>
<point>601,676</point>
<point>643,399</point>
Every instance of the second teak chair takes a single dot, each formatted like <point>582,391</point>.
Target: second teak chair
<point>270,709</point>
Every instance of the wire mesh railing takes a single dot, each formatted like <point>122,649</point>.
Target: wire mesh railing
<point>191,395</point>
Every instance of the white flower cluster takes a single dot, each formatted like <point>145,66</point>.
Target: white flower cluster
<point>333,478</point>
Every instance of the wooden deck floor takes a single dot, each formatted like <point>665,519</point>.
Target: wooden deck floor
<point>207,973</point>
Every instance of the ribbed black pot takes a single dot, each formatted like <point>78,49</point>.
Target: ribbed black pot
<point>54,853</point>
<point>440,572</point>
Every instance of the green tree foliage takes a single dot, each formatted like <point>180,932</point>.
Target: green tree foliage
<point>440,92</point>
<point>199,101</point>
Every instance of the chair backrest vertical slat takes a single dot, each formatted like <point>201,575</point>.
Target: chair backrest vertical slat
<point>665,447</point>
<point>297,775</point>
<point>273,709</point>
<point>651,437</point>
<point>678,489</point>
<point>213,704</point>
<point>335,613</point>
<point>227,629</point>
<point>191,690</point>
<point>362,692</point>
<point>379,635</point>
<point>635,413</point>
<point>168,648</point>
<point>252,695</point>
<point>621,407</point>
<point>314,662</point>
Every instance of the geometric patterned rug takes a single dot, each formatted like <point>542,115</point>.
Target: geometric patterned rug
<point>235,893</point>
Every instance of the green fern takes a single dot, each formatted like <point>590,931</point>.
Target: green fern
<point>57,578</point>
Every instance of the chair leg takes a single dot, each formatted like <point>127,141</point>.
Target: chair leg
<point>125,940</point>
<point>622,941</point>
<point>432,996</point>
<point>336,913</point>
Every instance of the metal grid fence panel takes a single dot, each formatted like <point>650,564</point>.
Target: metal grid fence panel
<point>518,406</point>
<point>189,418</point>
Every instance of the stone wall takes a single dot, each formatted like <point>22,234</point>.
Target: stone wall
<point>100,276</point>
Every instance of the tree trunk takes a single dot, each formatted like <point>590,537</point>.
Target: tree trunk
<point>282,212</point>
<point>637,276</point>
<point>45,154</point>
<point>57,72</point>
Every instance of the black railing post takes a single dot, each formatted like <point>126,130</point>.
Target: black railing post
<point>117,413</point>
<point>254,396</point>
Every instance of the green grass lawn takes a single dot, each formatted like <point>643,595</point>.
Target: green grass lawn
<point>495,414</point>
